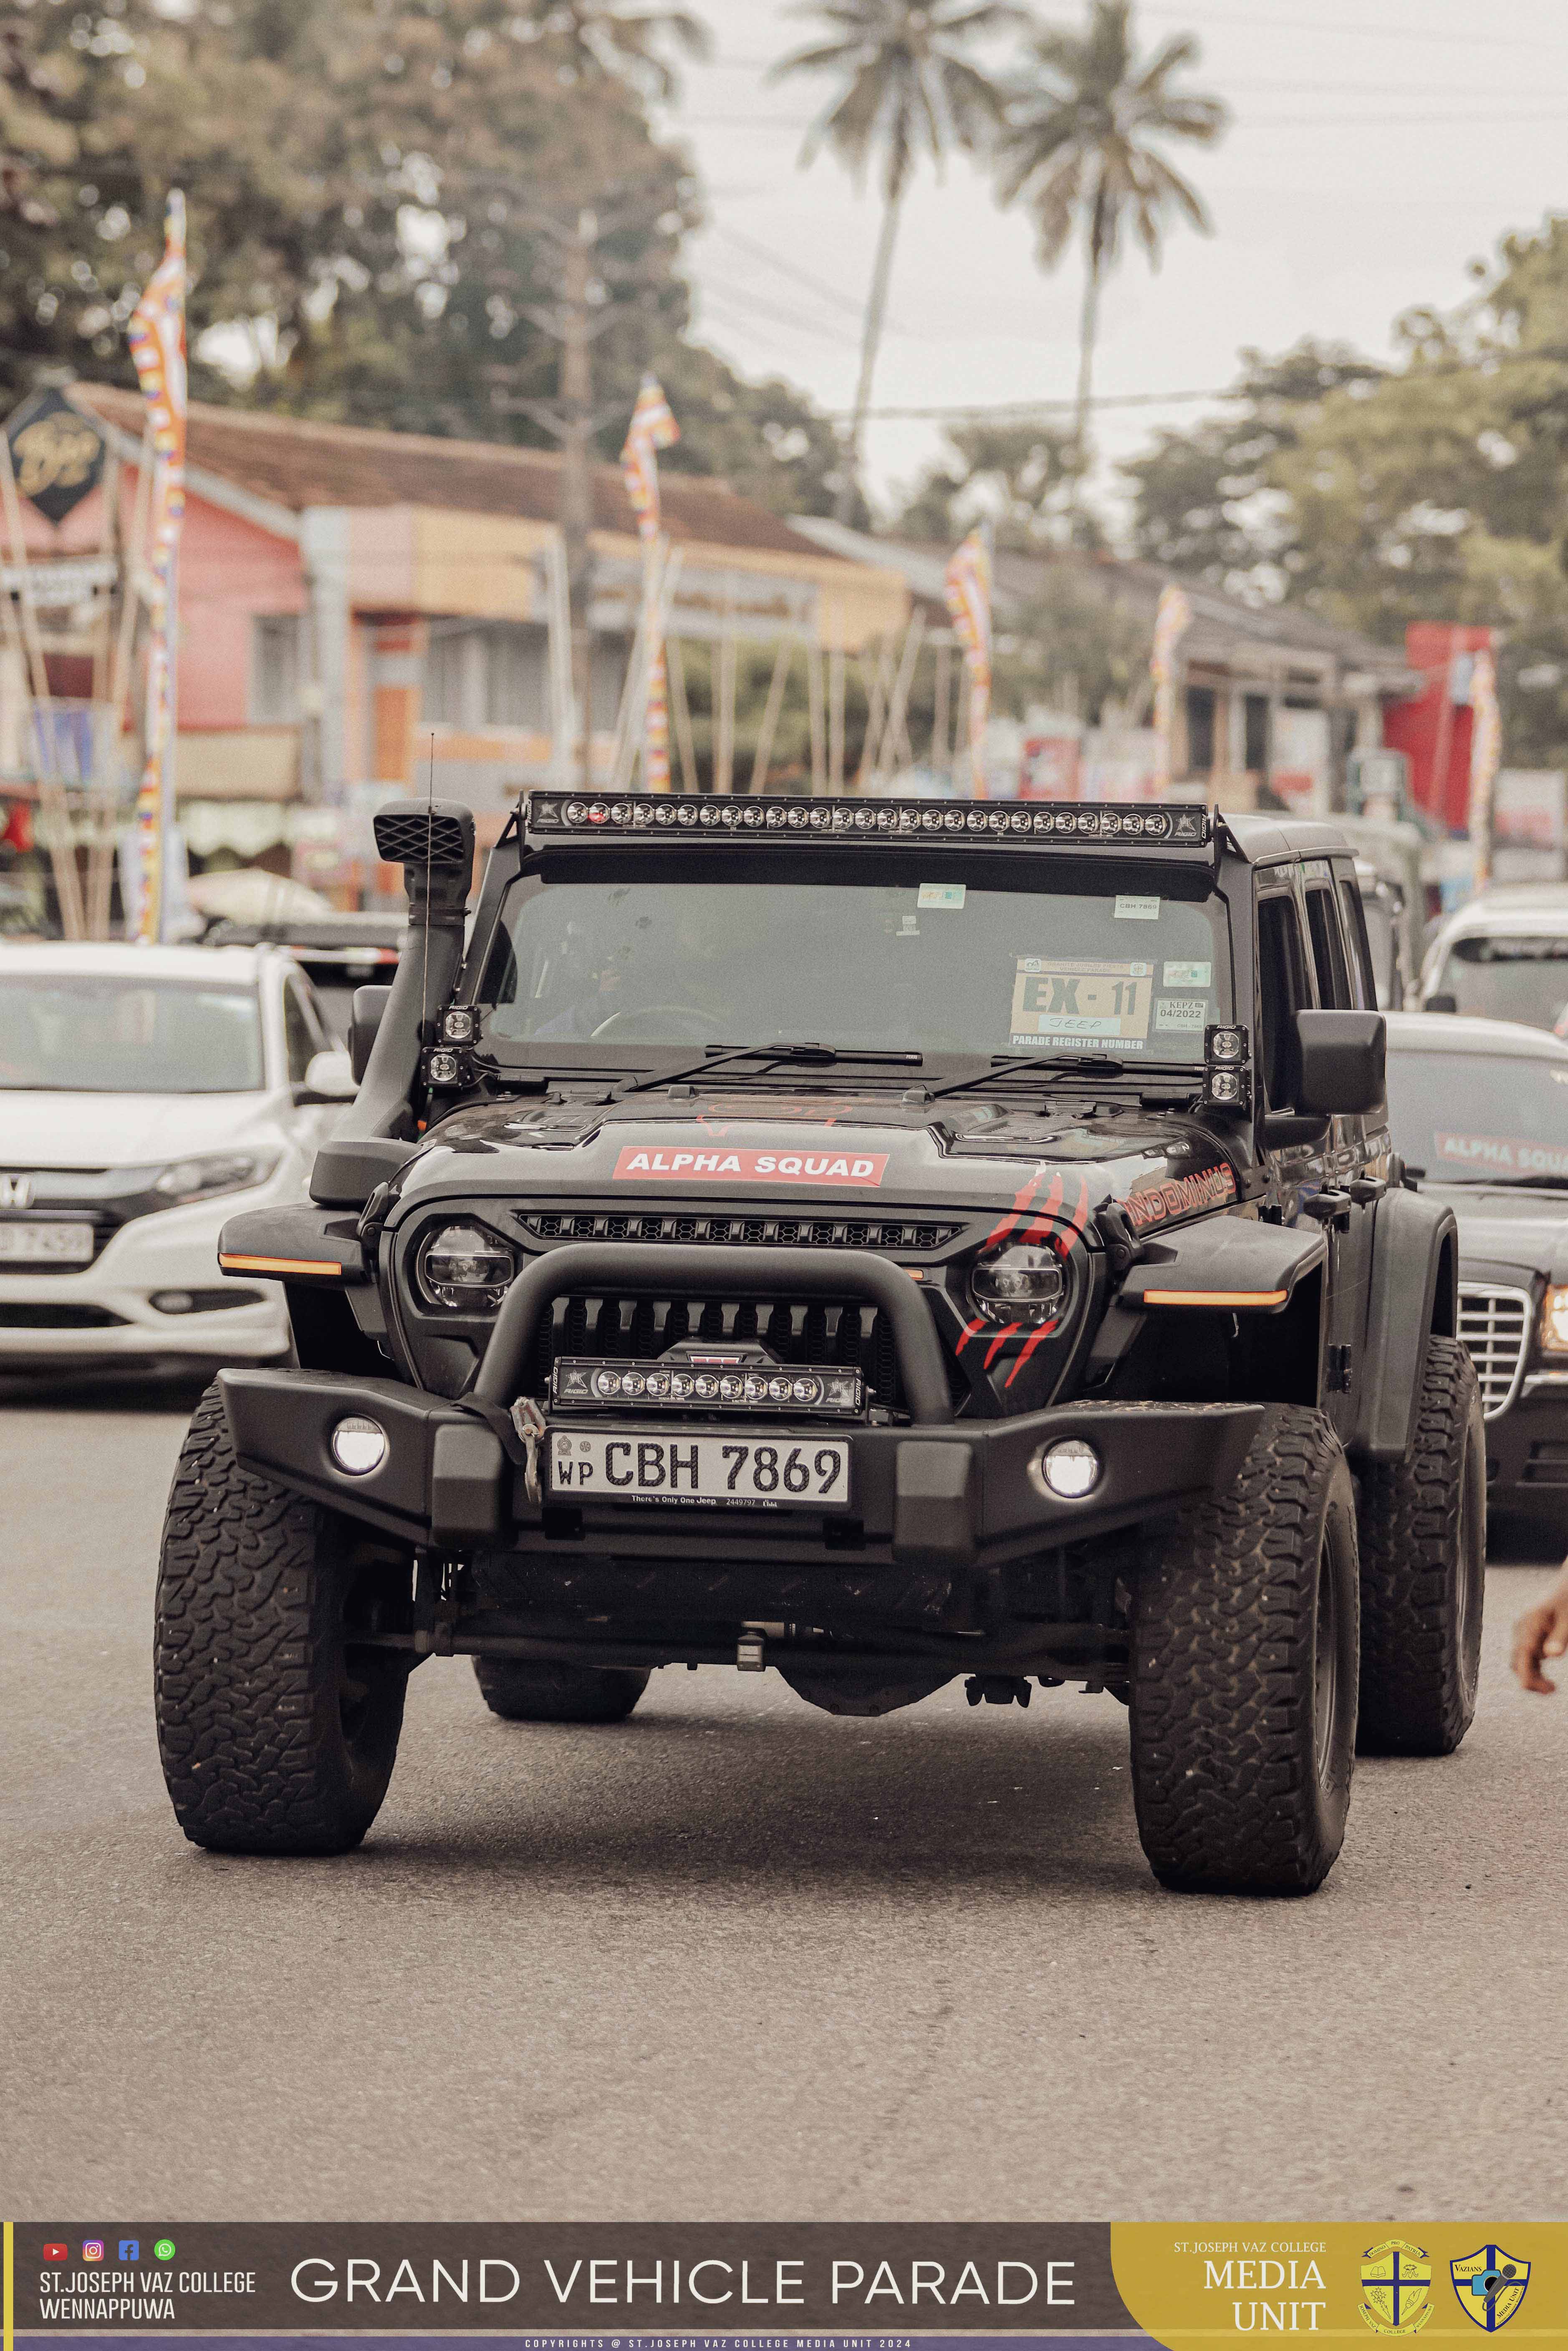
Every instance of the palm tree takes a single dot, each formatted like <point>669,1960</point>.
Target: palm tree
<point>1082,146</point>
<point>603,40</point>
<point>906,87</point>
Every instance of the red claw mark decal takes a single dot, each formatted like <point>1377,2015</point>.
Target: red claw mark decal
<point>1063,1243</point>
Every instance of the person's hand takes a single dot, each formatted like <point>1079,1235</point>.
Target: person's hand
<point>1541,1632</point>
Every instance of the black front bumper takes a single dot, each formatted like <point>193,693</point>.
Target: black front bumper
<point>944,1496</point>
<point>1527,1453</point>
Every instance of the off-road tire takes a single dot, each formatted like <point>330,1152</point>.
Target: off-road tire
<point>1244,1671</point>
<point>1423,1570</point>
<point>521,1690</point>
<point>277,1734</point>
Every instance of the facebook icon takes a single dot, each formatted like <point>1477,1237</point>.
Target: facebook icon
<point>131,2248</point>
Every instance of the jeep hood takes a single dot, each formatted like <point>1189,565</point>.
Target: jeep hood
<point>858,1154</point>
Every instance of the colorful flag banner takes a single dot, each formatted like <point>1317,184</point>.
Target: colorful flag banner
<point>1172,617</point>
<point>653,428</point>
<point>969,587</point>
<point>1486,758</point>
<point>157,340</point>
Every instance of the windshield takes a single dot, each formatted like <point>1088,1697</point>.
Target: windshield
<point>938,967</point>
<point>67,1033</point>
<point>1508,979</point>
<point>1383,945</point>
<point>1472,1118</point>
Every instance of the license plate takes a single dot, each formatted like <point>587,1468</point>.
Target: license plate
<point>46,1244</point>
<point>757,1473</point>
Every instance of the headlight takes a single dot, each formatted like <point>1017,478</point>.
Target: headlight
<point>215,1172</point>
<point>1554,1322</point>
<point>1020,1284</point>
<point>465,1267</point>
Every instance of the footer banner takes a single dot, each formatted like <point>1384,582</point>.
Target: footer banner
<point>791,2286</point>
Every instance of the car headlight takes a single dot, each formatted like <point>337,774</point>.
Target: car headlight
<point>214,1171</point>
<point>464,1266</point>
<point>1554,1322</point>
<point>1020,1284</point>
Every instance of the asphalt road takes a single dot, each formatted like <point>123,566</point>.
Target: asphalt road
<point>735,1960</point>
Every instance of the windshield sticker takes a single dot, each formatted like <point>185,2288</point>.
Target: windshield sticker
<point>941,893</point>
<point>1158,1204</point>
<point>1187,974</point>
<point>1181,1012</point>
<point>1507,1155</point>
<point>641,1164</point>
<point>1137,910</point>
<point>1067,1000</point>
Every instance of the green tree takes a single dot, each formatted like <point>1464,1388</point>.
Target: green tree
<point>1087,122</point>
<point>906,84</point>
<point>1205,498</point>
<point>1021,477</point>
<point>602,39</point>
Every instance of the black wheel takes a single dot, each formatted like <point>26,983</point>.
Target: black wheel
<point>1423,1570</point>
<point>277,1731</point>
<point>1244,1672</point>
<point>523,1691</point>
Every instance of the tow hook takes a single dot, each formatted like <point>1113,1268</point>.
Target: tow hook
<point>996,1689</point>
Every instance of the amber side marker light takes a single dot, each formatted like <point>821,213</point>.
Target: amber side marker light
<point>1215,1297</point>
<point>280,1265</point>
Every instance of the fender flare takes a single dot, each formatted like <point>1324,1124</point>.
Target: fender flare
<point>1413,1292</point>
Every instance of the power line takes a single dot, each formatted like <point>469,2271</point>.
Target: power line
<point>1187,9</point>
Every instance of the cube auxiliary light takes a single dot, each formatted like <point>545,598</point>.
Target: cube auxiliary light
<point>554,816</point>
<point>1227,1069</point>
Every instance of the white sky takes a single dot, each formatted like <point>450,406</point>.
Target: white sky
<point>1377,148</point>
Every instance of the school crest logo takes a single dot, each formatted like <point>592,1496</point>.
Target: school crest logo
<point>1395,2287</point>
<point>1490,2284</point>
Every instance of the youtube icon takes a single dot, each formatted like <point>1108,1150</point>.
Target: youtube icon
<point>56,2252</point>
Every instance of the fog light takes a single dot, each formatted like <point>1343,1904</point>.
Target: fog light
<point>173,1302</point>
<point>1068,1469</point>
<point>358,1445</point>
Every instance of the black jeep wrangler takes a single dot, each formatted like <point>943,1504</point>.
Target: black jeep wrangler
<point>883,1240</point>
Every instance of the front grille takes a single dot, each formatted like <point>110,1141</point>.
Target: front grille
<point>1493,1324</point>
<point>776,1232</point>
<point>796,1331</point>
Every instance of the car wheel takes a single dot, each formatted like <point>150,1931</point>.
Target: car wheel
<point>277,1728</point>
<point>1244,1659</point>
<point>1423,1570</point>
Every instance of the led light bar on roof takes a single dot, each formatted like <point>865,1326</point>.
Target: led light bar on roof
<point>1057,823</point>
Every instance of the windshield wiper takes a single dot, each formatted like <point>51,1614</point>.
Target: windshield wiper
<point>1007,1065</point>
<point>808,1054</point>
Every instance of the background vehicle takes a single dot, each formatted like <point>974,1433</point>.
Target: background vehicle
<point>887,1241</point>
<point>1480,1108</point>
<point>1390,864</point>
<point>338,953</point>
<point>1502,956</point>
<point>144,1090</point>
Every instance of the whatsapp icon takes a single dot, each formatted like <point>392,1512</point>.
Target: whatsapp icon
<point>163,2251</point>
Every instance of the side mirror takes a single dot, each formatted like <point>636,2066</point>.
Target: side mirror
<point>1341,1058</point>
<point>1441,1002</point>
<point>369,1010</point>
<point>328,1077</point>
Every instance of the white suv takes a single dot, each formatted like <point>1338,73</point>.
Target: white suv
<point>1502,956</point>
<point>146,1092</point>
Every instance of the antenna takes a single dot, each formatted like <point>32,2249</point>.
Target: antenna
<point>429,865</point>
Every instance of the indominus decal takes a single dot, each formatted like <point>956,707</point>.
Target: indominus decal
<point>643,1163</point>
<point>1179,1195</point>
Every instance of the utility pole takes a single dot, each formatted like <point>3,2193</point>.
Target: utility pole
<point>583,308</point>
<point>575,506</point>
